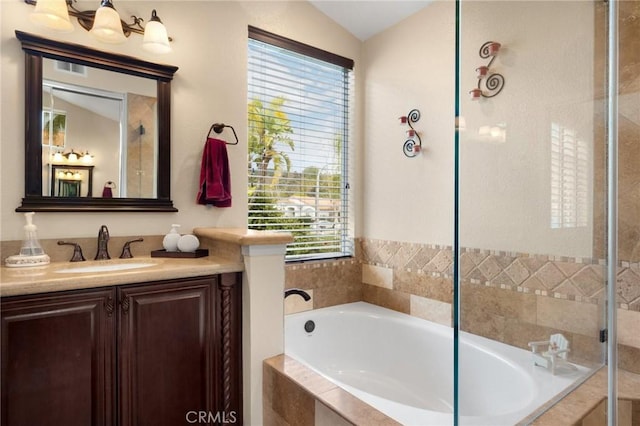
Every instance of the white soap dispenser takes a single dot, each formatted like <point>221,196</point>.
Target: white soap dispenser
<point>31,253</point>
<point>170,241</point>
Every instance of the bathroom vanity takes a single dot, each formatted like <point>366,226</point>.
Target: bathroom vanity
<point>147,346</point>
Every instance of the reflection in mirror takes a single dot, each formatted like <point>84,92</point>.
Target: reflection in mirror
<point>81,155</point>
<point>114,131</point>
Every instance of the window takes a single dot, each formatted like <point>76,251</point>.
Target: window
<point>71,68</point>
<point>569,169</point>
<point>298,121</point>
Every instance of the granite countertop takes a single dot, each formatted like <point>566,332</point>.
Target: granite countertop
<point>43,279</point>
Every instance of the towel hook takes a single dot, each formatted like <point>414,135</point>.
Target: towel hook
<point>219,127</point>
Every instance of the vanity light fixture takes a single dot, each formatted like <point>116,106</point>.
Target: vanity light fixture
<point>104,24</point>
<point>72,157</point>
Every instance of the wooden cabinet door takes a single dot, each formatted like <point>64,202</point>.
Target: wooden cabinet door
<point>58,357</point>
<point>166,356</point>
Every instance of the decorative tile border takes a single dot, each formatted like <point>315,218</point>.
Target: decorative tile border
<point>561,277</point>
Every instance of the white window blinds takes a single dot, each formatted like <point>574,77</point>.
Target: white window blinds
<point>569,178</point>
<point>298,122</point>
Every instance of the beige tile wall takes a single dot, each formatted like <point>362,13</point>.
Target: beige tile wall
<point>333,282</point>
<point>628,414</point>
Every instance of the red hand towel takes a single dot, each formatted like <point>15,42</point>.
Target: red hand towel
<point>215,181</point>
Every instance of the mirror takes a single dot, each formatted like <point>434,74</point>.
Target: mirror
<point>119,162</point>
<point>110,134</point>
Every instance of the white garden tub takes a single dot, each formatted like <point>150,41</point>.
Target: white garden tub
<point>402,366</point>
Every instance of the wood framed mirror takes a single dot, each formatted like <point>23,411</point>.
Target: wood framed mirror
<point>37,194</point>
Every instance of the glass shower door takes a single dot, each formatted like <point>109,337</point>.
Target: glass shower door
<point>531,210</point>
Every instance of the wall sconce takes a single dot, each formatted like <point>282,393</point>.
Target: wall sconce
<point>411,148</point>
<point>104,24</point>
<point>493,82</point>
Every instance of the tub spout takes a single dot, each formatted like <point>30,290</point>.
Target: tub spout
<point>299,292</point>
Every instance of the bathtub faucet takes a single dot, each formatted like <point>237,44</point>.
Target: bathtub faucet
<point>299,292</point>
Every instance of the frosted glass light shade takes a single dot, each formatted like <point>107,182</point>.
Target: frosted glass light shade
<point>156,39</point>
<point>52,14</point>
<point>107,26</point>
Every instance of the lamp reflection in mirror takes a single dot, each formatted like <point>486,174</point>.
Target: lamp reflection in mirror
<point>52,14</point>
<point>104,24</point>
<point>72,157</point>
<point>87,158</point>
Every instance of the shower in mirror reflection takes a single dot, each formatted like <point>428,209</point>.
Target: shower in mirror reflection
<point>104,23</point>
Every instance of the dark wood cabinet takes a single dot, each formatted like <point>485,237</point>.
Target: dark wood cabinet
<point>57,359</point>
<point>172,347</point>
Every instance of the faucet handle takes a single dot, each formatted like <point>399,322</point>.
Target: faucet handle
<point>77,251</point>
<point>126,249</point>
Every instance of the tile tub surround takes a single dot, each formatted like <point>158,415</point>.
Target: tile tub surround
<point>333,282</point>
<point>510,297</point>
<point>578,405</point>
<point>291,392</point>
<point>628,413</point>
<point>576,279</point>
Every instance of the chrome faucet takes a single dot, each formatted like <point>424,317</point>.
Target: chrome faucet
<point>103,241</point>
<point>299,292</point>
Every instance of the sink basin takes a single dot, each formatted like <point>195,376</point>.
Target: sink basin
<point>113,267</point>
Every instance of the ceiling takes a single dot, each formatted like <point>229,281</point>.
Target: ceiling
<point>366,18</point>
